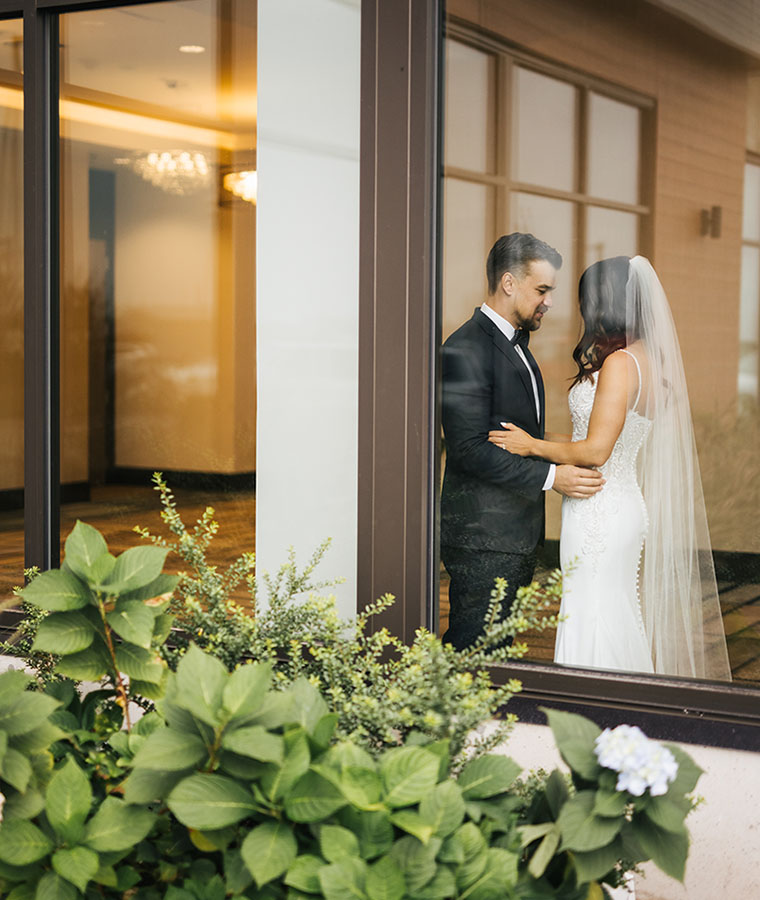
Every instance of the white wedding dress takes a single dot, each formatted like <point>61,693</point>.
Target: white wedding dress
<point>600,552</point>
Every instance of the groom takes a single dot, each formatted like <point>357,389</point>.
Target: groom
<point>492,503</point>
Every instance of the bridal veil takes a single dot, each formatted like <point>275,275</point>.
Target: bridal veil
<point>679,595</point>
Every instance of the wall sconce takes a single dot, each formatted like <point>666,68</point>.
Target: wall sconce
<point>711,222</point>
<point>242,184</point>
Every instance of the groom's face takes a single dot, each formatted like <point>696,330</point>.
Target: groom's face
<point>530,296</point>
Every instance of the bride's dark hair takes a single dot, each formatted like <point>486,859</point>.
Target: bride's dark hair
<point>602,298</point>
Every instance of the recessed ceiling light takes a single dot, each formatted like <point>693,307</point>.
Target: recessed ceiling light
<point>192,48</point>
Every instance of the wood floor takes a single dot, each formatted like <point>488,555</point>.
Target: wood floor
<point>116,509</point>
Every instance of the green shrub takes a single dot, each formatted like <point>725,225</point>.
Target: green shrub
<point>240,784</point>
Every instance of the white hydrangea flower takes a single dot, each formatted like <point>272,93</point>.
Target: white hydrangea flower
<point>639,762</point>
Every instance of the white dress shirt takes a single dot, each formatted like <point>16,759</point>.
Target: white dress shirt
<point>508,330</point>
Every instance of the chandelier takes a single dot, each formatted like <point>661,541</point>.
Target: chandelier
<point>178,172</point>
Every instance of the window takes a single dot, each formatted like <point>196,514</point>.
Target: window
<point>548,132</point>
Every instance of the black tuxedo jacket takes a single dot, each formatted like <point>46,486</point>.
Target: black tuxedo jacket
<point>491,499</point>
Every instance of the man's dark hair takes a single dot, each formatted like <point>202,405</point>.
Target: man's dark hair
<point>514,253</point>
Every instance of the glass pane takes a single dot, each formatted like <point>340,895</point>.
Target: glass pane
<point>158,266</point>
<point>544,135</point>
<point>610,232</point>
<point>613,149</point>
<point>749,325</point>
<point>180,353</point>
<point>11,311</point>
<point>470,79</point>
<point>466,242</point>
<point>751,204</point>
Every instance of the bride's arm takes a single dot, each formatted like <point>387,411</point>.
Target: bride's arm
<point>606,423</point>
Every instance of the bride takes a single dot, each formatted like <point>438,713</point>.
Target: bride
<point>639,591</point>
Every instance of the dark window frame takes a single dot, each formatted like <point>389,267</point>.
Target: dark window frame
<point>400,189</point>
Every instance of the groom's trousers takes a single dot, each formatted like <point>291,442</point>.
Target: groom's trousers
<point>472,574</point>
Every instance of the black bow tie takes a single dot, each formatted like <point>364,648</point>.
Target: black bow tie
<point>520,338</point>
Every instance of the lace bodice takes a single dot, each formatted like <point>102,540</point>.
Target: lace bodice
<point>621,465</point>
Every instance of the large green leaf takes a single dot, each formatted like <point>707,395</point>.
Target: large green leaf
<point>133,621</point>
<point>385,880</point>
<point>362,787</point>
<point>416,861</point>
<point>581,828</point>
<point>84,548</point>
<point>246,688</point>
<point>139,663</point>
<point>268,851</point>
<point>170,751</point>
<point>556,791</point>
<point>344,880</point>
<point>87,665</point>
<point>22,842</point>
<point>688,772</point>
<point>610,803</point>
<point>441,886</point>
<point>443,808</point>
<point>575,738</point>
<point>135,568</point>
<point>408,774</point>
<point>68,801</point>
<point>488,775</point>
<point>117,826</point>
<point>336,842</point>
<point>313,798</point>
<point>149,785</point>
<point>155,590</point>
<point>13,683</point>
<point>667,849</point>
<point>52,887</point>
<point>16,769</point>
<point>373,828</point>
<point>545,851</point>
<point>346,754</point>
<point>498,878</point>
<point>25,712</point>
<point>24,806</point>
<point>236,873</point>
<point>667,813</point>
<point>309,704</point>
<point>207,802</point>
<point>302,873</point>
<point>277,780</point>
<point>199,685</point>
<point>64,633</point>
<point>57,591</point>
<point>77,865</point>
<point>256,742</point>
<point>594,864</point>
<point>411,821</point>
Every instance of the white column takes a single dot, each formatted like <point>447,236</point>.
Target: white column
<point>307,284</point>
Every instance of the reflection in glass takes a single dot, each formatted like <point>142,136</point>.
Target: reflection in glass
<point>157,269</point>
<point>613,149</point>
<point>466,238</point>
<point>751,204</point>
<point>610,232</point>
<point>749,327</point>
<point>544,130</point>
<point>469,107</point>
<point>11,310</point>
